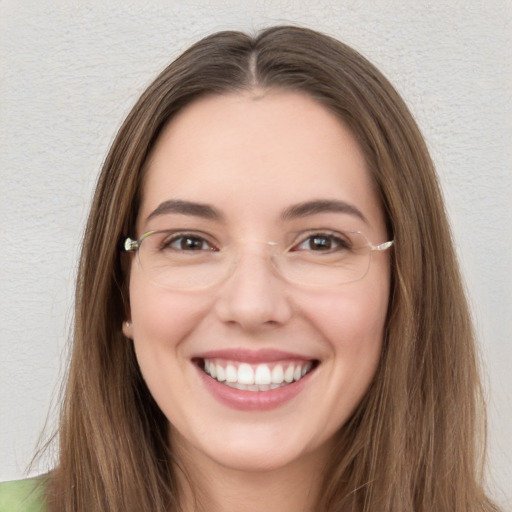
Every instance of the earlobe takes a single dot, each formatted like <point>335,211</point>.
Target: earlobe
<point>128,329</point>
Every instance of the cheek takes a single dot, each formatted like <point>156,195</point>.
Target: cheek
<point>353,320</point>
<point>352,325</point>
<point>161,321</point>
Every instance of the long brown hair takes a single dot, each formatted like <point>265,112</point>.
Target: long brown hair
<point>416,440</point>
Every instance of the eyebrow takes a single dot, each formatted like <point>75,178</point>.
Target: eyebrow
<point>321,206</point>
<point>186,208</point>
<point>299,210</point>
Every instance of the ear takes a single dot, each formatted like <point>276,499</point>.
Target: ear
<point>128,329</point>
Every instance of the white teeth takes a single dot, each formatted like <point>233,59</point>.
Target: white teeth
<point>245,374</point>
<point>288,374</point>
<point>256,377</point>
<point>262,375</point>
<point>277,374</point>
<point>231,373</point>
<point>221,373</point>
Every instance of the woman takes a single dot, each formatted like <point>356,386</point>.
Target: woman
<point>269,313</point>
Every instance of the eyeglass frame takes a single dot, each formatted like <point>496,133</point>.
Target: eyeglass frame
<point>133,246</point>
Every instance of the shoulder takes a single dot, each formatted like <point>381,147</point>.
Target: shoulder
<point>23,495</point>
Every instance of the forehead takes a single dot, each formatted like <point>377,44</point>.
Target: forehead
<point>257,151</point>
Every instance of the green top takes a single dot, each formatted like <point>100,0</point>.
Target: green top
<point>22,495</point>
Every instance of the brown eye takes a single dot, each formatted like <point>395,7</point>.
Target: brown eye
<point>188,243</point>
<point>322,242</point>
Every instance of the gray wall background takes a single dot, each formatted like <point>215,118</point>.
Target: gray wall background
<point>69,72</point>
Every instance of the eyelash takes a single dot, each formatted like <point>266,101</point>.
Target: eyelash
<point>167,243</point>
<point>335,240</point>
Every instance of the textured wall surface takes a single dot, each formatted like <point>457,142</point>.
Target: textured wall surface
<point>71,70</point>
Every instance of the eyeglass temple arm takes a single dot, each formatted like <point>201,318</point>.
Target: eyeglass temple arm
<point>383,247</point>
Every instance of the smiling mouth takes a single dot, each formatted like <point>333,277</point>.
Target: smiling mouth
<point>256,377</point>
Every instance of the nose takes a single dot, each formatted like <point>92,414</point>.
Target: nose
<point>254,297</point>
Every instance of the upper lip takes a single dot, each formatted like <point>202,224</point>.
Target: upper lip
<point>251,356</point>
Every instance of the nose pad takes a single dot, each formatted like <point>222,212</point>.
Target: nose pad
<point>254,295</point>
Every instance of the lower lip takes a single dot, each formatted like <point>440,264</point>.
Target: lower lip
<point>253,400</point>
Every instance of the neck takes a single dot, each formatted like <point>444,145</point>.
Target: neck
<point>206,486</point>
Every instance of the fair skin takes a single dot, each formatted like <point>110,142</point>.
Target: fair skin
<point>252,157</point>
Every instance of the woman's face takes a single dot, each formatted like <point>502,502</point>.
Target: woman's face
<point>232,173</point>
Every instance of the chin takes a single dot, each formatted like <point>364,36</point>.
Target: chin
<point>256,448</point>
<point>255,459</point>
